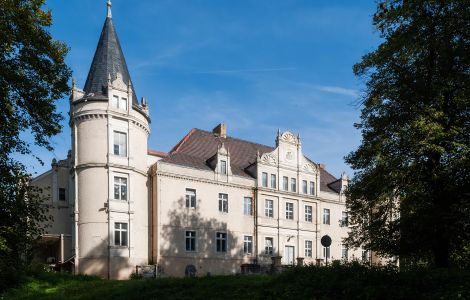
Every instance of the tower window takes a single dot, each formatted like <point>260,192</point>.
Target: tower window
<point>120,188</point>
<point>223,167</point>
<point>120,103</point>
<point>61,194</point>
<point>120,143</point>
<point>264,179</point>
<point>273,181</point>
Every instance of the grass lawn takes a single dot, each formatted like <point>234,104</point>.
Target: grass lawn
<point>338,282</point>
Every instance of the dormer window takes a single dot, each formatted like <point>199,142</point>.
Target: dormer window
<point>223,167</point>
<point>120,103</point>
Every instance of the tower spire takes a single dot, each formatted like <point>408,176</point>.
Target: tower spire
<point>109,8</point>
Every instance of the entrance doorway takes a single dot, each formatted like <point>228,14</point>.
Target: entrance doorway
<point>289,255</point>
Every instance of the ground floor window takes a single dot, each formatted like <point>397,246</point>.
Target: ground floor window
<point>308,248</point>
<point>120,234</point>
<point>190,240</point>
<point>247,245</point>
<point>268,246</point>
<point>221,241</point>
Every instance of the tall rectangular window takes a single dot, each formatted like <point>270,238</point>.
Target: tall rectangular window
<point>268,246</point>
<point>285,183</point>
<point>120,143</point>
<point>247,206</point>
<point>326,252</point>
<point>293,185</point>
<point>273,181</point>
<point>344,219</point>
<point>221,241</point>
<point>223,167</point>
<point>120,188</point>
<point>326,216</point>
<point>308,213</point>
<point>344,252</point>
<point>312,188</point>
<point>61,194</point>
<point>120,234</point>
<point>190,238</point>
<point>247,245</point>
<point>123,103</point>
<point>115,101</point>
<point>304,187</point>
<point>268,208</point>
<point>289,210</point>
<point>190,198</point>
<point>264,179</point>
<point>223,203</point>
<point>308,248</point>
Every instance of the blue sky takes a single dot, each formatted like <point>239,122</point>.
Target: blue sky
<point>256,65</point>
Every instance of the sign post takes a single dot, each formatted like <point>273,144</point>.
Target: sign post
<point>326,242</point>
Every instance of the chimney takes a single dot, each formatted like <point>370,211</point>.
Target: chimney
<point>323,166</point>
<point>220,130</point>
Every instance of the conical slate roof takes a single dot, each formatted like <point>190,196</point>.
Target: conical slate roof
<point>108,60</point>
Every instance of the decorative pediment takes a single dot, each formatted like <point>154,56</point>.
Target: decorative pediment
<point>288,137</point>
<point>269,158</point>
<point>309,167</point>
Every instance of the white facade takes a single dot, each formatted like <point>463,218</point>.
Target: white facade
<point>117,204</point>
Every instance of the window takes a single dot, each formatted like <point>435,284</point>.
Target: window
<point>312,188</point>
<point>285,183</point>
<point>273,181</point>
<point>365,256</point>
<point>223,167</point>
<point>190,198</point>
<point>326,252</point>
<point>61,194</point>
<point>308,248</point>
<point>289,211</point>
<point>247,206</point>
<point>268,208</point>
<point>120,188</point>
<point>119,103</point>
<point>221,241</point>
<point>304,186</point>
<point>247,245</point>
<point>344,252</point>
<point>223,203</point>
<point>293,185</point>
<point>268,246</point>
<point>308,213</point>
<point>264,179</point>
<point>190,240</point>
<point>344,219</point>
<point>120,143</point>
<point>120,234</point>
<point>326,216</point>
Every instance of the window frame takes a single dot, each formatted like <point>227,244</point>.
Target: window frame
<point>249,205</point>
<point>223,167</point>
<point>312,188</point>
<point>268,249</point>
<point>120,185</point>
<point>264,179</point>
<point>120,233</point>
<point>269,209</point>
<point>293,185</point>
<point>304,187</point>
<point>223,203</point>
<point>190,236</point>
<point>62,192</point>
<point>247,245</point>
<point>308,215</point>
<point>273,181</point>
<point>344,219</point>
<point>326,216</point>
<point>221,242</point>
<point>289,211</point>
<point>308,248</point>
<point>190,202</point>
<point>285,183</point>
<point>344,252</point>
<point>121,147</point>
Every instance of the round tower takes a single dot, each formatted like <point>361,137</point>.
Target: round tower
<point>110,130</point>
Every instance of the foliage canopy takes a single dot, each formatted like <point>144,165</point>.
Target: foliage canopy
<point>411,188</point>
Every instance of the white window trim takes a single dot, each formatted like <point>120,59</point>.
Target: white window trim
<point>226,242</point>
<point>120,230</point>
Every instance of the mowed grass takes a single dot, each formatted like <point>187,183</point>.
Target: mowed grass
<point>337,282</point>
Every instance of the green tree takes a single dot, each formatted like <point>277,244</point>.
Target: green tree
<point>33,76</point>
<point>410,195</point>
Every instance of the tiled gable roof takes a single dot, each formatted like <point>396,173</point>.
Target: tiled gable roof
<point>199,145</point>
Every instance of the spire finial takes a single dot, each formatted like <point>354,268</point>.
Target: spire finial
<point>109,9</point>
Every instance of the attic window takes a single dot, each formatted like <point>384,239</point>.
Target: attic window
<point>223,167</point>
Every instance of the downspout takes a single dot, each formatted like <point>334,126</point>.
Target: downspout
<point>255,220</point>
<point>107,200</point>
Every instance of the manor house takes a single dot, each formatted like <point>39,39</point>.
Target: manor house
<point>212,204</point>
